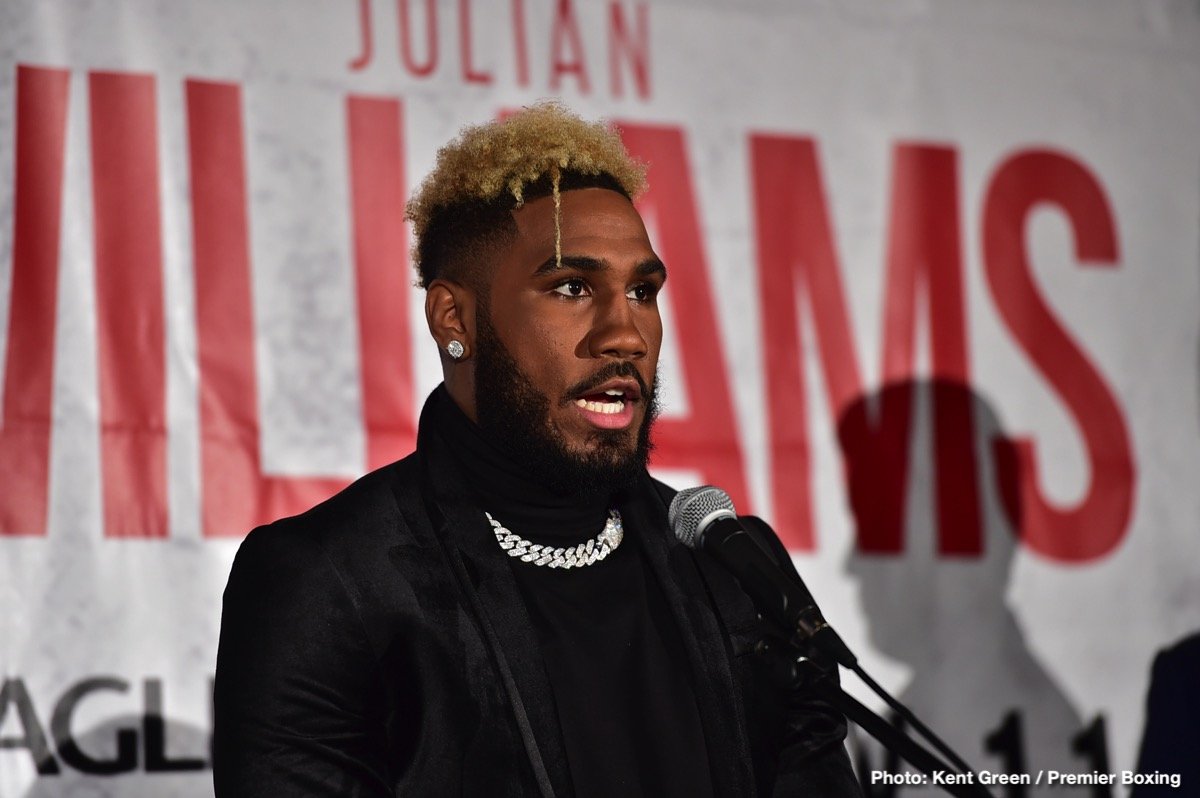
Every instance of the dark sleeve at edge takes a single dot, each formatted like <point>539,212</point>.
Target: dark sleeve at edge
<point>296,691</point>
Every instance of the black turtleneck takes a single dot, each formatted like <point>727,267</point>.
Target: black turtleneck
<point>612,652</point>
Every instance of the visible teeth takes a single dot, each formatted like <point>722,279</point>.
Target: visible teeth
<point>615,392</point>
<point>607,408</point>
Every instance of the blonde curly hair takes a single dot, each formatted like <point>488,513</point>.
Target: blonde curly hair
<point>494,167</point>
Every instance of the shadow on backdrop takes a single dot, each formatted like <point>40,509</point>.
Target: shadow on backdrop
<point>926,468</point>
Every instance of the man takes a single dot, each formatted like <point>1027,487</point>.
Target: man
<point>1171,736</point>
<point>505,612</point>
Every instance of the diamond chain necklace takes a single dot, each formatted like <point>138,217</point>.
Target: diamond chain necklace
<point>593,551</point>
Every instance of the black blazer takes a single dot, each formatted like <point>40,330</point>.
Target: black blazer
<point>376,645</point>
<point>1171,738</point>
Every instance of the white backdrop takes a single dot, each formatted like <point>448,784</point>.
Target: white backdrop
<point>1106,94</point>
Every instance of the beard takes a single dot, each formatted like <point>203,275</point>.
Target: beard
<point>516,415</point>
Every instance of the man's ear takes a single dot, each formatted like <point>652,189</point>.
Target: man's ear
<point>450,313</point>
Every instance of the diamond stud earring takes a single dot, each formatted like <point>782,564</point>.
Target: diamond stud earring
<point>455,349</point>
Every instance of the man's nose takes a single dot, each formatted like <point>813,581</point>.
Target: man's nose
<point>616,333</point>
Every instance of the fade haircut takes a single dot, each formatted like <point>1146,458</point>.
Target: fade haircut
<point>461,212</point>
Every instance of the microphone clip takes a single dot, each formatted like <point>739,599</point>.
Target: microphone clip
<point>789,666</point>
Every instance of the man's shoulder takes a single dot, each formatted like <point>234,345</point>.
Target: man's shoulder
<point>355,555</point>
<point>1178,662</point>
<point>1186,650</point>
<point>364,515</point>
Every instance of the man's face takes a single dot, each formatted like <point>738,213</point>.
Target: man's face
<point>566,357</point>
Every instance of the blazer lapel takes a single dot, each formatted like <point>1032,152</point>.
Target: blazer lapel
<point>491,590</point>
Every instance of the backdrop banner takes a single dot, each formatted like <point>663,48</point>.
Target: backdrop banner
<point>933,312</point>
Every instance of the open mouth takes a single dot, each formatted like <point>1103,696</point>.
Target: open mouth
<point>611,404</point>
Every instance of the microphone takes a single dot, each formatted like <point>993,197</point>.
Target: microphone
<point>703,518</point>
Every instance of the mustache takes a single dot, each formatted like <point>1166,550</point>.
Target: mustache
<point>609,372</point>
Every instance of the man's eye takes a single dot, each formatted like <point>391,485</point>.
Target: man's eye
<point>642,292</point>
<point>572,288</point>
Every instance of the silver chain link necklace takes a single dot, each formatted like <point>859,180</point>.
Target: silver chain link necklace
<point>589,553</point>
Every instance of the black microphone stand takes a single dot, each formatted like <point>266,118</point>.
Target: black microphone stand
<point>694,514</point>
<point>794,669</point>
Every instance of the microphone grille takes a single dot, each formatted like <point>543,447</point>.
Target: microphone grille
<point>692,506</point>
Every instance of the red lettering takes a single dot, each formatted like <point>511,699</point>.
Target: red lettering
<point>367,37</point>
<point>633,48</point>
<point>1095,525</point>
<point>470,73</point>
<point>563,36</point>
<point>925,248</point>
<point>875,436</point>
<point>431,40</point>
<point>708,438</point>
<point>129,302</point>
<point>41,114</point>
<point>235,493</point>
<point>520,43</point>
<point>380,261</point>
<point>796,249</point>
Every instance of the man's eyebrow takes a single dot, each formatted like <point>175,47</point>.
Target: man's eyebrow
<point>585,263</point>
<point>581,263</point>
<point>652,266</point>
